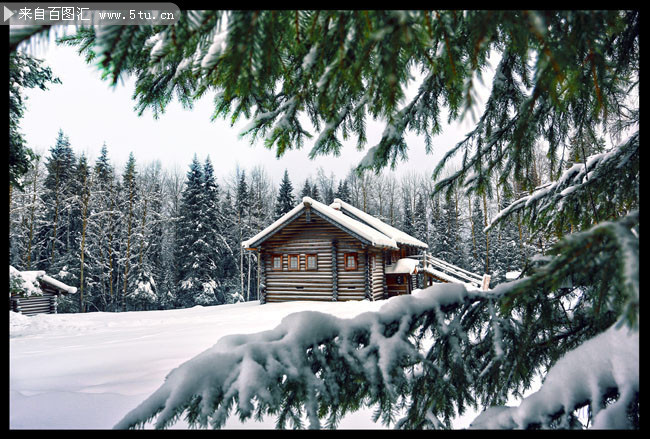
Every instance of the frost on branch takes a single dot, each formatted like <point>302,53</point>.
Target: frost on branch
<point>323,363</point>
<point>606,365</point>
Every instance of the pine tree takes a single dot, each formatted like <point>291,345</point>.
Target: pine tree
<point>242,207</point>
<point>59,189</point>
<point>82,212</point>
<point>408,225</point>
<point>507,253</point>
<point>343,192</point>
<point>190,229</point>
<point>559,74</point>
<point>306,189</point>
<point>285,200</point>
<point>24,72</point>
<point>420,223</point>
<point>450,248</point>
<point>215,251</point>
<point>105,230</point>
<point>131,194</point>
<point>143,292</point>
<point>231,282</point>
<point>315,194</point>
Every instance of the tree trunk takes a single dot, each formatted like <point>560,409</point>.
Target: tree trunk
<point>56,218</point>
<point>83,245</point>
<point>31,220</point>
<point>487,236</point>
<point>128,251</point>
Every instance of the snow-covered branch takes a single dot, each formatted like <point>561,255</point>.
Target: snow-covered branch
<point>605,365</point>
<point>311,358</point>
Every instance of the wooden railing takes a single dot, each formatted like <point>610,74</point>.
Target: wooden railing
<point>450,272</point>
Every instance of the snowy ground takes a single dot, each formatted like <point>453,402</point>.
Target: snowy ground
<point>86,371</point>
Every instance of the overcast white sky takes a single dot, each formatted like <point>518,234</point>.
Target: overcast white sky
<point>90,113</point>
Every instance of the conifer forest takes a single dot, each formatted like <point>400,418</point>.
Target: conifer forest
<point>180,232</point>
<point>541,193</point>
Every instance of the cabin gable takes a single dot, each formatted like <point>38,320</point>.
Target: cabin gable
<point>309,234</point>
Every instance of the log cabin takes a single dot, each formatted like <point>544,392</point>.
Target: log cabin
<point>336,253</point>
<point>40,293</point>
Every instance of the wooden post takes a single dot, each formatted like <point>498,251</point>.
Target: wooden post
<point>383,276</point>
<point>486,282</point>
<point>335,273</point>
<point>261,288</point>
<point>368,279</point>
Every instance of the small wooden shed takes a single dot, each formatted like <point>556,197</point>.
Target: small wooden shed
<point>39,294</point>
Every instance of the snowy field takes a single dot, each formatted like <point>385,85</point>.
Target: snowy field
<point>86,371</point>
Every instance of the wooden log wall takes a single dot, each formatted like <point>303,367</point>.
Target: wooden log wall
<point>378,279</point>
<point>45,304</point>
<point>396,288</point>
<point>335,271</point>
<point>261,290</point>
<point>314,237</point>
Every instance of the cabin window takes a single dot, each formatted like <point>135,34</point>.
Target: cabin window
<point>400,280</point>
<point>312,262</point>
<point>277,262</point>
<point>350,261</point>
<point>294,262</point>
<point>389,259</point>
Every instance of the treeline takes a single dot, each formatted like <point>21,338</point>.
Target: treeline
<point>144,237</point>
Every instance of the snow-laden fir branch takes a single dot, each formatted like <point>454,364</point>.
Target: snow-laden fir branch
<point>310,357</point>
<point>604,365</point>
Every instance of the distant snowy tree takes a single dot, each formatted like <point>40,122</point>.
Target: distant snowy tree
<point>343,191</point>
<point>326,186</point>
<point>57,198</point>
<point>408,225</point>
<point>103,232</point>
<point>242,205</point>
<point>214,250</point>
<point>507,246</point>
<point>420,223</point>
<point>131,196</point>
<point>478,254</point>
<point>193,288</point>
<point>285,200</point>
<point>143,292</point>
<point>306,189</point>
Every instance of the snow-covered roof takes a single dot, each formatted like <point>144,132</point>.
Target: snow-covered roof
<point>31,281</point>
<point>375,237</point>
<point>388,230</point>
<point>403,266</point>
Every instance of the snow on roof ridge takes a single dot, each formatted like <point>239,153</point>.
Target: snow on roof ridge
<point>386,229</point>
<point>376,237</point>
<point>30,276</point>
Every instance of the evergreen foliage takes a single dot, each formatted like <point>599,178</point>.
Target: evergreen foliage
<point>343,192</point>
<point>285,200</point>
<point>563,78</point>
<point>194,286</point>
<point>420,223</point>
<point>24,72</point>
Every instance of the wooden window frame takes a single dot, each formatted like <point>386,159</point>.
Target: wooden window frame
<point>356,261</point>
<point>289,262</point>
<point>273,258</point>
<point>307,256</point>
